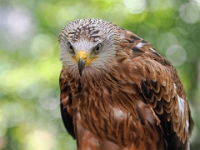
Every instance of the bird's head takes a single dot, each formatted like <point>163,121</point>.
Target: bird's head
<point>87,43</point>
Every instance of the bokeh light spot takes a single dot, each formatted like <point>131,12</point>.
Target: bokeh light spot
<point>28,91</point>
<point>40,140</point>
<point>40,44</point>
<point>13,114</point>
<point>49,99</point>
<point>176,54</point>
<point>18,22</point>
<point>135,6</point>
<point>189,13</point>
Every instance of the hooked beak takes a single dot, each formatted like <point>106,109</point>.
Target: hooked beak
<point>81,59</point>
<point>81,65</point>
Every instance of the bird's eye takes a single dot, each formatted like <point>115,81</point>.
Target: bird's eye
<point>71,49</point>
<point>97,49</point>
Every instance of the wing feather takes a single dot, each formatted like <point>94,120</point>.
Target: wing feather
<point>65,104</point>
<point>161,88</point>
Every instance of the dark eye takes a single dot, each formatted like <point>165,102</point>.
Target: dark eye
<point>71,49</point>
<point>97,49</point>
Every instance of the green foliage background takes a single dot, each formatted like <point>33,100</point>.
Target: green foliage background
<point>30,66</point>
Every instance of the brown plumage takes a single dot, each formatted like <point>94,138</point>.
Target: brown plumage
<point>118,92</point>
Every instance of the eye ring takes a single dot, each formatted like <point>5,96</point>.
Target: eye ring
<point>71,49</point>
<point>98,48</point>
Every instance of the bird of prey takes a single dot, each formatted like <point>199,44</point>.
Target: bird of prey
<point>118,92</point>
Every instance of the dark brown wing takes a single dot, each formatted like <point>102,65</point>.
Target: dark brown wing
<point>65,104</point>
<point>160,87</point>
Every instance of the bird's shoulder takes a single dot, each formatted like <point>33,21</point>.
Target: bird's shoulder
<point>136,46</point>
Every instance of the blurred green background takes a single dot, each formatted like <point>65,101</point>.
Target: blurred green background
<point>30,66</point>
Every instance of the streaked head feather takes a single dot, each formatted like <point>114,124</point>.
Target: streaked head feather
<point>85,34</point>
